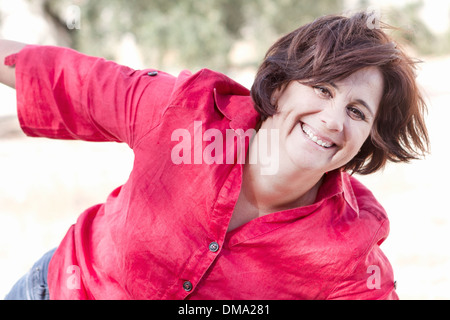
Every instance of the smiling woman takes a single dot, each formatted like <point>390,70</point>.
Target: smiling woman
<point>330,116</point>
<point>332,48</point>
<point>321,129</point>
<point>333,97</point>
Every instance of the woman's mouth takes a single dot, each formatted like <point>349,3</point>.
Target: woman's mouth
<point>320,141</point>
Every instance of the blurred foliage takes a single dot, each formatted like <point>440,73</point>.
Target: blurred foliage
<point>192,34</point>
<point>414,31</point>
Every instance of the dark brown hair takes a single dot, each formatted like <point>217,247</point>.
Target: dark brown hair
<point>333,47</point>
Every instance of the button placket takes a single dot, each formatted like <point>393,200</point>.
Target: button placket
<point>187,286</point>
<point>213,246</point>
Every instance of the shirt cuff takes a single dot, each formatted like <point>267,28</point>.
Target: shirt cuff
<point>11,60</point>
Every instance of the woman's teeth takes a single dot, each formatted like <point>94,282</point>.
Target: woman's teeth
<point>315,139</point>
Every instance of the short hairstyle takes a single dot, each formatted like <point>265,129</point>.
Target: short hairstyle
<point>333,47</point>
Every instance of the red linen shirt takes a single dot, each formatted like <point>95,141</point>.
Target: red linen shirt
<point>163,234</point>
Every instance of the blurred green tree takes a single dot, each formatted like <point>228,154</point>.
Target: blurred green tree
<point>190,33</point>
<point>193,34</point>
<point>415,32</point>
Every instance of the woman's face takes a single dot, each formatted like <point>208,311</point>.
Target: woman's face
<point>323,127</point>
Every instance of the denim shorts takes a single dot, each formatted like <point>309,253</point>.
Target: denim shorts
<point>33,285</point>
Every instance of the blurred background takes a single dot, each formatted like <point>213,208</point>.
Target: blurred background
<point>45,184</point>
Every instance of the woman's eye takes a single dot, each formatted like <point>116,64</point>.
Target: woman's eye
<point>355,113</point>
<point>322,92</point>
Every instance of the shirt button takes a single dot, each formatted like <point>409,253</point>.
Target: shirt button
<point>152,73</point>
<point>187,285</point>
<point>213,246</point>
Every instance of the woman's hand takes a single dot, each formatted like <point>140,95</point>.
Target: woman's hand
<point>7,73</point>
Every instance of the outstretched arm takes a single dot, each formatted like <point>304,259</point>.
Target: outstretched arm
<point>7,74</point>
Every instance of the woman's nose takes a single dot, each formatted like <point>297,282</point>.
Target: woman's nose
<point>333,117</point>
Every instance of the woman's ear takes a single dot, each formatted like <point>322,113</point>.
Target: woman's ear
<point>277,93</point>
<point>275,96</point>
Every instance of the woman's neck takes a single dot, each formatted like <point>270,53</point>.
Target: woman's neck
<point>272,193</point>
<point>264,194</point>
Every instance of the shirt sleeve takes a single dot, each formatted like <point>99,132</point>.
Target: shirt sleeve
<point>63,94</point>
<point>371,279</point>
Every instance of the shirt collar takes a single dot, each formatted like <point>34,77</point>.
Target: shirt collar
<point>237,108</point>
<point>337,182</point>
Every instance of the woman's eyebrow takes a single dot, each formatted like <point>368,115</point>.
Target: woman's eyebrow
<point>365,105</point>
<point>360,101</point>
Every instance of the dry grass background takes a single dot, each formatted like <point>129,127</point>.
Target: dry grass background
<point>46,184</point>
